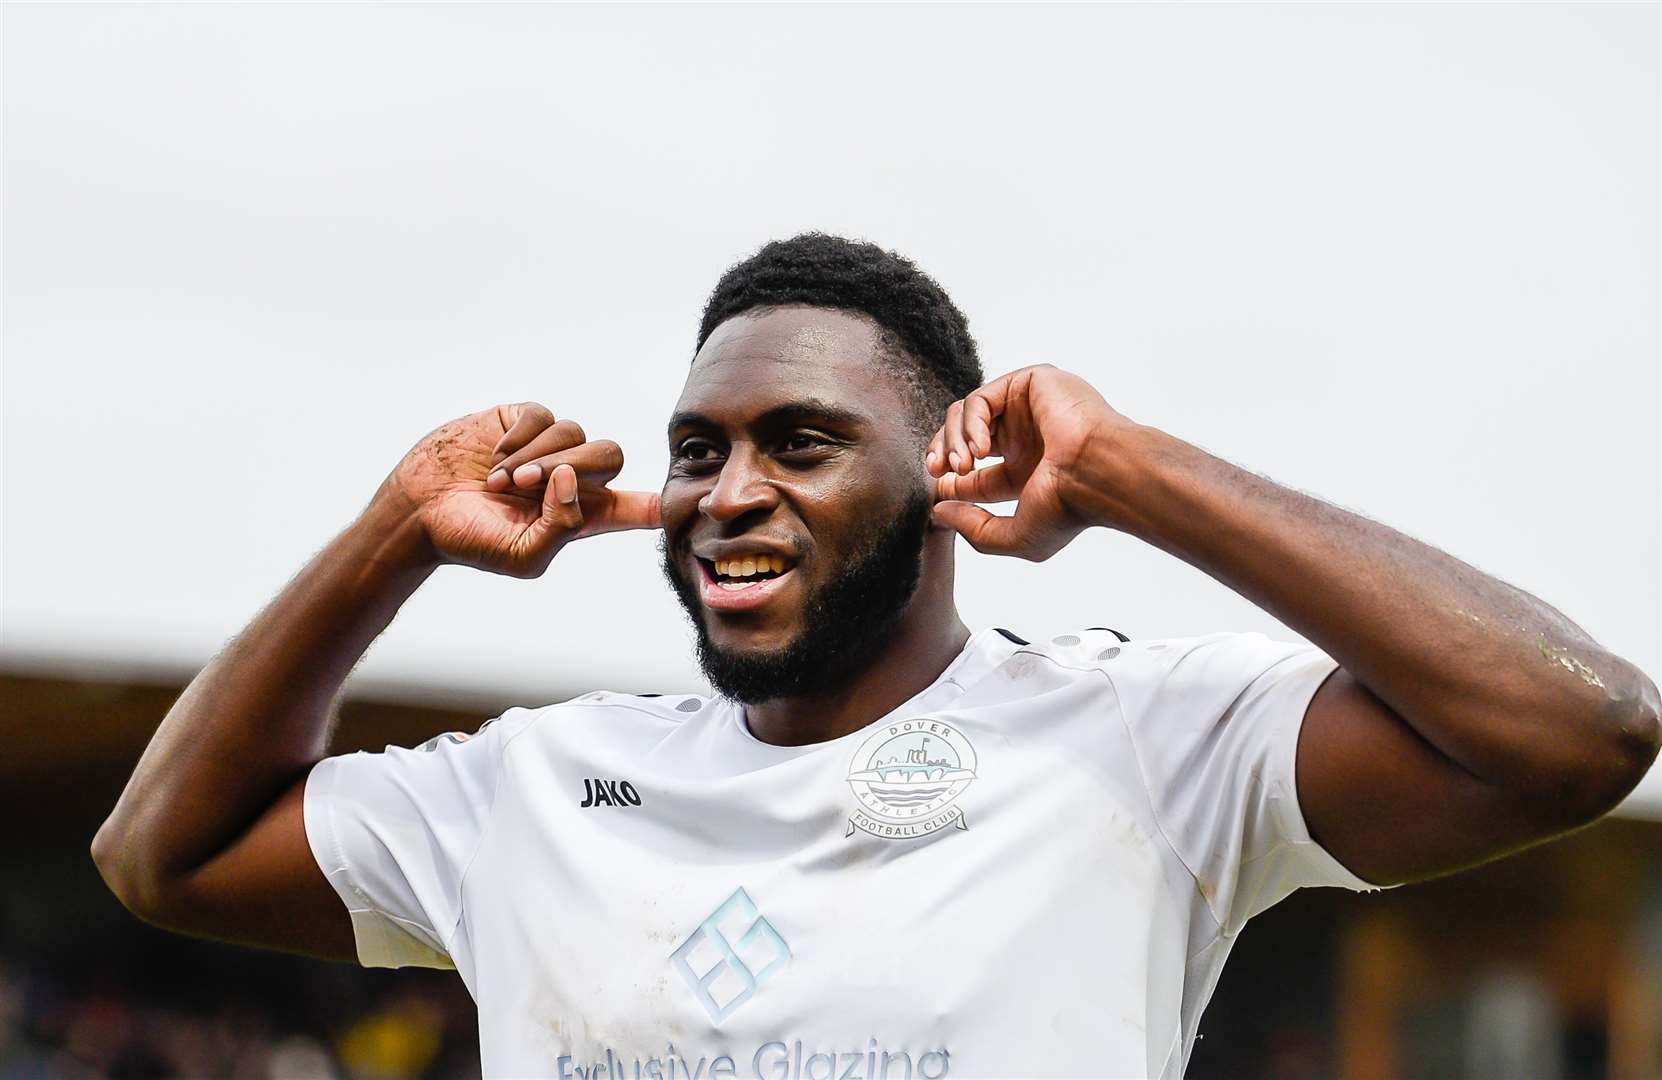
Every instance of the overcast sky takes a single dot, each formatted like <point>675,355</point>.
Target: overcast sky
<point>1404,257</point>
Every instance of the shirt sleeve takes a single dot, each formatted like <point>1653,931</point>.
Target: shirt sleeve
<point>394,833</point>
<point>1215,723</point>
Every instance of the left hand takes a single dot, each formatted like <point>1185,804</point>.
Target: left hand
<point>1043,422</point>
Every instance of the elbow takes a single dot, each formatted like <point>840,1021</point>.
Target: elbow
<point>1637,718</point>
<point>123,874</point>
<point>105,856</point>
<point>1647,704</point>
<point>1635,729</point>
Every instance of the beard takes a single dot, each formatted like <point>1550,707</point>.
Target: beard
<point>846,622</point>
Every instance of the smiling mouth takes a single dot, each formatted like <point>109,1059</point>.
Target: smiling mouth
<point>746,570</point>
<point>744,582</point>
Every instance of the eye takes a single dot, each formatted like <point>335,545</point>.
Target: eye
<point>695,450</point>
<point>802,440</point>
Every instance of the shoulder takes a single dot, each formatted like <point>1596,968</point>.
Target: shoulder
<point>1083,650</point>
<point>1006,663</point>
<point>1072,648</point>
<point>1139,668</point>
<point>1194,679</point>
<point>605,715</point>
<point>629,708</point>
<point>608,707</point>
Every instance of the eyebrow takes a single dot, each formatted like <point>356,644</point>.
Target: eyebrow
<point>803,409</point>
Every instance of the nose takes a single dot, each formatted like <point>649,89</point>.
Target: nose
<point>741,487</point>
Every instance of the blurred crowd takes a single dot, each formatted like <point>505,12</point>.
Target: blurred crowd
<point>237,1023</point>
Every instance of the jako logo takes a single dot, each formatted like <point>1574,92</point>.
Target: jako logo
<point>733,940</point>
<point>598,792</point>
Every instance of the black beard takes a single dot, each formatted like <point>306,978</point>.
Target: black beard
<point>846,623</point>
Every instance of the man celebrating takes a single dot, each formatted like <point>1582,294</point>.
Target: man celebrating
<point>889,847</point>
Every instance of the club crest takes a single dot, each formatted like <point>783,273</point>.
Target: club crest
<point>906,778</point>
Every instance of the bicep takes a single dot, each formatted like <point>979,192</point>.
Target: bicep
<point>1390,806</point>
<point>265,890</point>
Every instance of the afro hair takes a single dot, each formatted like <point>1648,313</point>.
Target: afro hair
<point>924,335</point>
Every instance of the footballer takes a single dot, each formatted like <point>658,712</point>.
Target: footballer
<point>889,845</point>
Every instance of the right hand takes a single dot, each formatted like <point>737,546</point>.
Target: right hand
<point>505,488</point>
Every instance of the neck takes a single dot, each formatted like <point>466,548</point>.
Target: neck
<point>930,636</point>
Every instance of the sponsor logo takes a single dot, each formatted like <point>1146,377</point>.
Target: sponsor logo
<point>598,792</point>
<point>730,955</point>
<point>908,776</point>
<point>776,1060</point>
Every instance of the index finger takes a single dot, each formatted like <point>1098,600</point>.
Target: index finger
<point>982,406</point>
<point>994,396</point>
<point>605,510</point>
<point>978,423</point>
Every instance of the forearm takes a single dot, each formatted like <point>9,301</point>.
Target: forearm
<point>1497,680</point>
<point>256,717</point>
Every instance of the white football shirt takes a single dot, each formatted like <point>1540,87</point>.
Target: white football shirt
<point>1035,867</point>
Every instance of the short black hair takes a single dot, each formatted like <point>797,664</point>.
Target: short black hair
<point>920,328</point>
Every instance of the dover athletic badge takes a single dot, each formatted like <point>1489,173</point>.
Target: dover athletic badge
<point>906,778</point>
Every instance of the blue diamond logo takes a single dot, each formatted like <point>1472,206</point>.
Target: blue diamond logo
<point>730,955</point>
